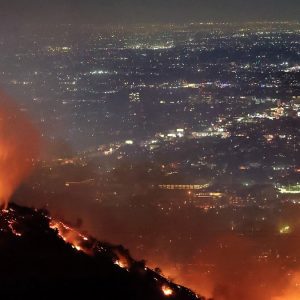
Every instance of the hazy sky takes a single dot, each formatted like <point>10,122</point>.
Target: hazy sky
<point>118,11</point>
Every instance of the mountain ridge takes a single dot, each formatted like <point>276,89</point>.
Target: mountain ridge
<point>44,258</point>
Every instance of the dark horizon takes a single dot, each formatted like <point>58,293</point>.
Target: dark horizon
<point>133,11</point>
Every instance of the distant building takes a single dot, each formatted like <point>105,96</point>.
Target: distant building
<point>134,97</point>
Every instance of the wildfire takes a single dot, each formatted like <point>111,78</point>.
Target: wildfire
<point>122,261</point>
<point>8,216</point>
<point>167,290</point>
<point>13,230</point>
<point>70,235</point>
<point>121,258</point>
<point>18,147</point>
<point>120,264</point>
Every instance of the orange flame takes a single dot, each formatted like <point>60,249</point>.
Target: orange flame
<point>122,261</point>
<point>70,235</point>
<point>167,290</point>
<point>18,147</point>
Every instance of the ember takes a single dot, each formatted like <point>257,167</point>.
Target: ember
<point>70,235</point>
<point>167,290</point>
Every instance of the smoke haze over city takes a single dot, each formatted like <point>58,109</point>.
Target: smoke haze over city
<point>169,128</point>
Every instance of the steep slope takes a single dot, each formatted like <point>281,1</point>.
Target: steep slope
<point>45,259</point>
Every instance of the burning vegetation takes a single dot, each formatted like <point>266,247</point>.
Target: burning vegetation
<point>45,247</point>
<point>167,290</point>
<point>71,236</point>
<point>56,257</point>
<point>119,256</point>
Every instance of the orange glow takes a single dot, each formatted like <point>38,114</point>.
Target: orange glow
<point>70,235</point>
<point>292,292</point>
<point>236,268</point>
<point>120,264</point>
<point>122,261</point>
<point>18,148</point>
<point>167,290</point>
<point>78,248</point>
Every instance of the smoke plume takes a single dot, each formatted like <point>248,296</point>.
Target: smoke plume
<point>18,147</point>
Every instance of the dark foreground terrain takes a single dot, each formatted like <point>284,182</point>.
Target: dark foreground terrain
<point>45,259</point>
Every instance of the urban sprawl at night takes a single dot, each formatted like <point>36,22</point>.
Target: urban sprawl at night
<point>179,141</point>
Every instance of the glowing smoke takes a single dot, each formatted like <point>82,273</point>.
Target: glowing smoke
<point>18,147</point>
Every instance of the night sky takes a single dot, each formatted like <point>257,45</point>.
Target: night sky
<point>128,11</point>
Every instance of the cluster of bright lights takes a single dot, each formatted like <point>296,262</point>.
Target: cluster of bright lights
<point>285,229</point>
<point>290,189</point>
